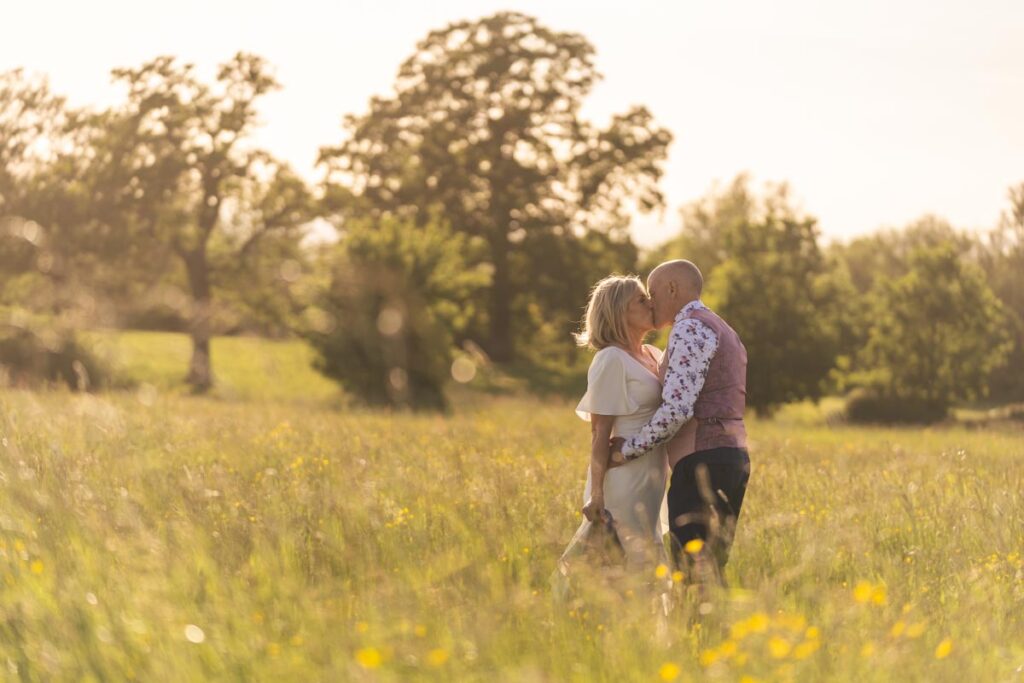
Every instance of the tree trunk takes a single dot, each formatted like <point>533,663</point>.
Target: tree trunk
<point>500,346</point>
<point>200,371</point>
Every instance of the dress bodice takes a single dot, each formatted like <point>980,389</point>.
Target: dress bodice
<point>619,385</point>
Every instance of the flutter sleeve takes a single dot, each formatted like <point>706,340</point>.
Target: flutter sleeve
<point>607,392</point>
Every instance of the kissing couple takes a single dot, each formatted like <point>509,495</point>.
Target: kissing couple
<point>661,420</point>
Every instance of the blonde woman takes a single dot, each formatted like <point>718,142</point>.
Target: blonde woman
<point>623,392</point>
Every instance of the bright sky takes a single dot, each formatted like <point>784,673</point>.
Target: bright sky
<point>876,111</point>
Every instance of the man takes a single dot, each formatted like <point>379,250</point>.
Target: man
<point>705,371</point>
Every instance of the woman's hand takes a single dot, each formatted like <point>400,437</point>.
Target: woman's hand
<point>594,509</point>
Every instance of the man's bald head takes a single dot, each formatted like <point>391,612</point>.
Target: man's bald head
<point>672,285</point>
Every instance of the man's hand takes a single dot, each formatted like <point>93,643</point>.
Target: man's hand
<point>594,509</point>
<point>616,459</point>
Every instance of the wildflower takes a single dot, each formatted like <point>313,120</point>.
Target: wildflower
<point>943,649</point>
<point>779,647</point>
<point>661,571</point>
<point>694,546</point>
<point>677,576</point>
<point>758,623</point>
<point>708,657</point>
<point>368,657</point>
<point>898,628</point>
<point>669,671</point>
<point>437,657</point>
<point>36,567</point>
<point>862,592</point>
<point>867,650</point>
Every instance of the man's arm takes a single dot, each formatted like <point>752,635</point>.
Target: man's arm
<point>691,350</point>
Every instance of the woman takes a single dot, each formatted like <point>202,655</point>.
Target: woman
<point>623,391</point>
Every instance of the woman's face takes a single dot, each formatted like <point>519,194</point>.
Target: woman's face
<point>639,312</point>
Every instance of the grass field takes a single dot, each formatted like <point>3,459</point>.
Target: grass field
<point>246,368</point>
<point>265,533</point>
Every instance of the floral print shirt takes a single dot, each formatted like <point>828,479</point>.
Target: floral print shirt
<point>691,346</point>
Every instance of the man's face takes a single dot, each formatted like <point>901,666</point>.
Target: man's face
<point>661,299</point>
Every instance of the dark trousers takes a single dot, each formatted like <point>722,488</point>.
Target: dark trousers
<point>704,501</point>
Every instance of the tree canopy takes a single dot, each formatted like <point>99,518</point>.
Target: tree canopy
<point>485,124</point>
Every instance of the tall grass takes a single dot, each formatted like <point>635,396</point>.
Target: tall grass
<point>150,535</point>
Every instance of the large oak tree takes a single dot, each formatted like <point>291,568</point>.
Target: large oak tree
<point>485,125</point>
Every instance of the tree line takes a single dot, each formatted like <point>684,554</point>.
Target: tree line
<point>907,321</point>
<point>474,207</point>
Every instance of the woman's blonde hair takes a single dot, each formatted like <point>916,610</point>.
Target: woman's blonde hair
<point>605,321</point>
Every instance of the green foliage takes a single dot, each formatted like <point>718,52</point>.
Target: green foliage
<point>1002,259</point>
<point>195,188</point>
<point>886,254</point>
<point>386,322</point>
<point>38,351</point>
<point>485,123</point>
<point>936,333</point>
<point>552,275</point>
<point>770,281</point>
<point>30,118</point>
<point>705,223</point>
<point>55,234</point>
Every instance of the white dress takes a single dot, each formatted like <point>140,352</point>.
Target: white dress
<point>619,385</point>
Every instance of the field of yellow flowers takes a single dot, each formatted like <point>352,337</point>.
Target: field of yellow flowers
<point>148,535</point>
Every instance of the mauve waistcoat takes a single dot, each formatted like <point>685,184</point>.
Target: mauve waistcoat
<point>720,405</point>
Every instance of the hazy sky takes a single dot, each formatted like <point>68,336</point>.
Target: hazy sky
<point>876,111</point>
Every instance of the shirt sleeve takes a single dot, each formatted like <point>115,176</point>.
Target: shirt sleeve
<point>607,393</point>
<point>691,347</point>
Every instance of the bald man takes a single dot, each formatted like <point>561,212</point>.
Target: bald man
<point>704,375</point>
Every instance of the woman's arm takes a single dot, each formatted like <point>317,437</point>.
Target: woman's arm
<point>600,451</point>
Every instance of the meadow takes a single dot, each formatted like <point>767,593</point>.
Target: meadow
<point>273,531</point>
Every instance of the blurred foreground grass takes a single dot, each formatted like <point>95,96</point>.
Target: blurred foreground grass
<point>150,535</point>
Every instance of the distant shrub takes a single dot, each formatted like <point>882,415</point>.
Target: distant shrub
<point>158,317</point>
<point>50,356</point>
<point>869,406</point>
<point>397,295</point>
